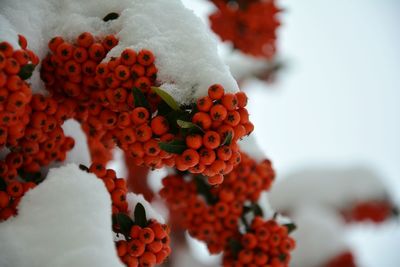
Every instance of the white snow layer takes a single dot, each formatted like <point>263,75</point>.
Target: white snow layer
<point>250,146</point>
<point>80,153</point>
<point>330,187</point>
<point>186,51</point>
<point>63,222</point>
<point>134,199</point>
<point>319,236</point>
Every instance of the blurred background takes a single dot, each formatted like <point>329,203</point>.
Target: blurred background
<point>334,110</point>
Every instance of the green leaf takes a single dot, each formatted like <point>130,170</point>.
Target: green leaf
<point>166,97</point>
<point>247,209</point>
<point>140,99</point>
<point>35,177</point>
<point>175,146</point>
<point>282,257</point>
<point>291,227</point>
<point>189,125</point>
<point>204,189</point>
<point>257,210</point>
<point>228,139</point>
<point>395,212</point>
<point>3,185</point>
<point>163,109</point>
<point>235,247</point>
<point>111,16</point>
<point>124,222</point>
<point>26,71</point>
<point>140,215</point>
<point>83,168</point>
<point>175,115</point>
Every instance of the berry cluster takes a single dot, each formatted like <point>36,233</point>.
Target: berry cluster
<point>212,223</point>
<point>223,120</point>
<point>69,69</point>
<point>117,103</point>
<point>69,73</point>
<point>249,25</point>
<point>146,242</point>
<point>145,246</point>
<point>212,214</point>
<point>375,211</point>
<point>15,93</point>
<point>345,259</point>
<point>10,196</point>
<point>115,186</point>
<point>30,126</point>
<point>249,178</point>
<point>266,243</point>
<point>44,140</point>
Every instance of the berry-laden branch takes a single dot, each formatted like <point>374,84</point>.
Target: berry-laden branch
<point>250,25</point>
<point>118,102</point>
<point>215,214</point>
<point>30,127</point>
<point>143,242</point>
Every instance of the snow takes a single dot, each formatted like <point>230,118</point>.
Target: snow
<point>80,153</point>
<point>250,146</point>
<point>65,221</point>
<point>375,245</point>
<point>186,51</point>
<point>331,187</point>
<point>134,199</point>
<point>319,236</point>
<point>117,163</point>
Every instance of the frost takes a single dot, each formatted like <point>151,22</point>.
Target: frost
<point>186,51</point>
<point>65,221</point>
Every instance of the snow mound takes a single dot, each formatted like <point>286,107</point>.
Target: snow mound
<point>134,199</point>
<point>63,222</point>
<point>319,236</point>
<point>250,146</point>
<point>331,187</point>
<point>185,49</point>
<point>80,153</point>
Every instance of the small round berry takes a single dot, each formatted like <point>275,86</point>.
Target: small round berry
<point>145,57</point>
<point>4,199</point>
<point>15,189</point>
<point>194,141</point>
<point>230,101</point>
<point>159,125</point>
<point>218,112</point>
<point>204,104</point>
<point>211,140</point>
<point>146,235</point>
<point>136,248</point>
<point>202,119</point>
<point>140,115</point>
<point>216,179</point>
<point>242,99</point>
<point>96,52</point>
<point>216,91</point>
<point>85,39</point>
<point>128,57</point>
